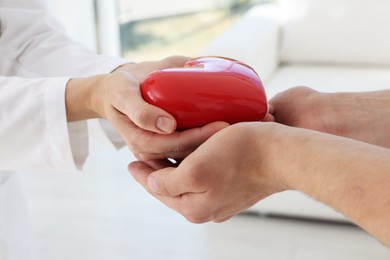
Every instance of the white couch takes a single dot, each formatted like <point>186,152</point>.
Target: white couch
<point>329,45</point>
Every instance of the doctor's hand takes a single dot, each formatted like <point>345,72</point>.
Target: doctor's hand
<point>362,116</point>
<point>148,130</point>
<point>224,176</point>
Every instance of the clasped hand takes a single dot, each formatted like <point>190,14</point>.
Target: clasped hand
<point>148,131</point>
<point>220,179</point>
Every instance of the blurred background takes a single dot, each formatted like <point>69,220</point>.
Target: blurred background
<point>150,29</point>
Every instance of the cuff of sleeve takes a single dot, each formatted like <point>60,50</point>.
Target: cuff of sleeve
<point>68,142</point>
<point>102,130</point>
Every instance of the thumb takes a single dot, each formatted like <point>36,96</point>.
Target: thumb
<point>142,173</point>
<point>156,182</point>
<point>173,182</point>
<point>143,114</point>
<point>149,117</point>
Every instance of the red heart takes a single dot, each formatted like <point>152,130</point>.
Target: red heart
<point>206,90</point>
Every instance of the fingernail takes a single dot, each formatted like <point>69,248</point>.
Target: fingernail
<point>152,183</point>
<point>165,124</point>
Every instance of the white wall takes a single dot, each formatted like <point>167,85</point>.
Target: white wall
<point>78,17</point>
<point>108,27</point>
<point>144,9</point>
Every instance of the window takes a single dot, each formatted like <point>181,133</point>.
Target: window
<point>153,29</point>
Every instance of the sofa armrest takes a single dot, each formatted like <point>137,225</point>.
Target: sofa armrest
<point>252,40</point>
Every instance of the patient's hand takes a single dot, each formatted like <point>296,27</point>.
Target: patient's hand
<point>225,175</point>
<point>247,162</point>
<point>361,116</point>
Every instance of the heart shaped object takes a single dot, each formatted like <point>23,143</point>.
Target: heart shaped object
<point>205,90</point>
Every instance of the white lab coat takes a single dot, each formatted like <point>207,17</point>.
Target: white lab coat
<point>36,61</point>
<point>34,48</point>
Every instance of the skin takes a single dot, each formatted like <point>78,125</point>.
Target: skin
<point>261,159</point>
<point>148,131</point>
<point>344,163</point>
<point>362,116</point>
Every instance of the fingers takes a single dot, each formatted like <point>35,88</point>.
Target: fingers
<point>167,186</point>
<point>160,164</point>
<point>141,70</point>
<point>269,118</point>
<point>149,117</point>
<point>141,172</point>
<point>271,109</point>
<point>223,219</point>
<point>174,182</point>
<point>290,95</point>
<point>155,177</point>
<point>147,146</point>
<point>127,99</point>
<point>178,190</point>
<point>164,181</point>
<point>174,61</point>
<point>297,107</point>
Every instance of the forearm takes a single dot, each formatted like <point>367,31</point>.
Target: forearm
<point>350,176</point>
<point>364,116</point>
<point>360,116</point>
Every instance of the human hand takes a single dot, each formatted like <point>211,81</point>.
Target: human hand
<point>225,175</point>
<point>142,69</point>
<point>361,116</point>
<point>148,130</point>
<point>247,162</point>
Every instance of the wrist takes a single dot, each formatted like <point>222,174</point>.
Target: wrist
<point>82,98</point>
<point>286,158</point>
<point>269,147</point>
<point>280,155</point>
<point>361,116</point>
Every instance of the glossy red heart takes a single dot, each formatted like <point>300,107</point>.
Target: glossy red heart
<point>205,90</point>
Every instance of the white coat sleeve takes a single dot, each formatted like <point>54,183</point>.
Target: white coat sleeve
<point>33,129</point>
<point>33,44</point>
